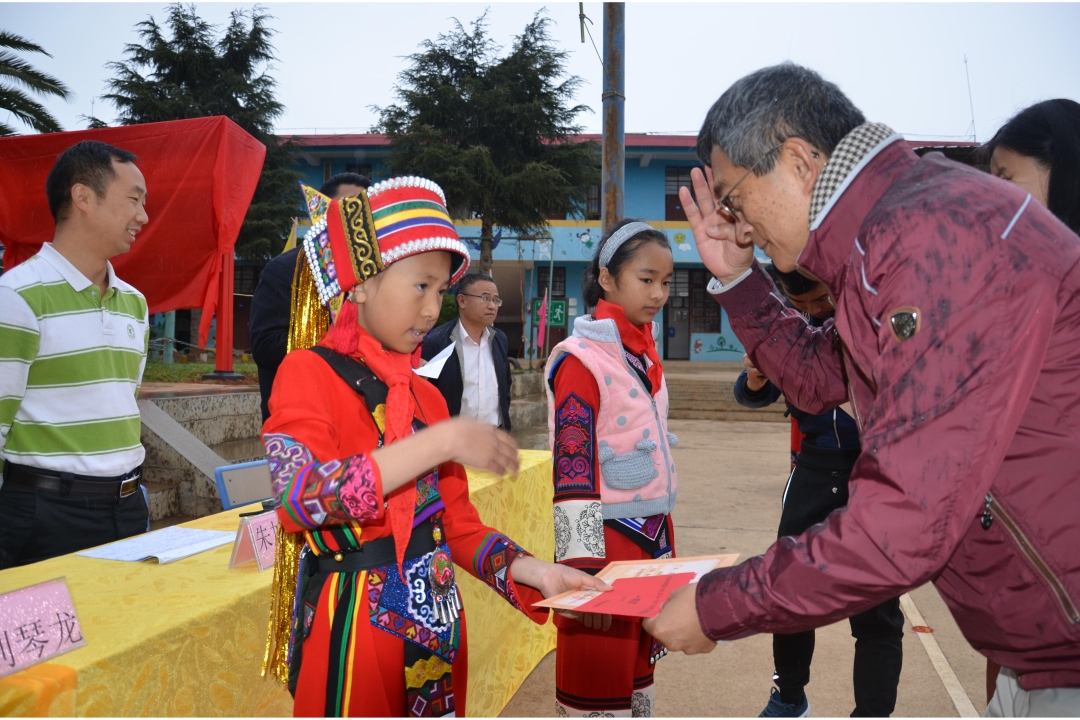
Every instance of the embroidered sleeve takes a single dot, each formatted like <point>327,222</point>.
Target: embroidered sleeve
<point>575,446</point>
<point>314,494</point>
<point>491,564</point>
<point>577,513</point>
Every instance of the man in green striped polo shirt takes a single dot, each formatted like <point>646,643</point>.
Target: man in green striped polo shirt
<point>73,341</point>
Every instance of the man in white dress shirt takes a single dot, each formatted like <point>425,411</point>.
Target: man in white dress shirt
<point>476,378</point>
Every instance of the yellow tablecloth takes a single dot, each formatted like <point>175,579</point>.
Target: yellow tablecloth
<point>187,638</point>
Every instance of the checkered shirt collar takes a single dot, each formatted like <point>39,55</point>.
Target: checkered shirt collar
<point>855,146</point>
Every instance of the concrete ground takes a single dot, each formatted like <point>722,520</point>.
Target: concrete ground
<point>732,476</point>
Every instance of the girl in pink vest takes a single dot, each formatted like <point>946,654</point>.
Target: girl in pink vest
<point>615,483</point>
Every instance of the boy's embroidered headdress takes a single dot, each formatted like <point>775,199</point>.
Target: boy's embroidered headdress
<point>355,238</point>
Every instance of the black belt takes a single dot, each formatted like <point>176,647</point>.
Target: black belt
<point>65,483</point>
<point>377,553</point>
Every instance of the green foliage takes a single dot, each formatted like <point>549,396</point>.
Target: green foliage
<point>157,371</point>
<point>494,132</point>
<point>19,80</point>
<point>449,310</point>
<point>191,72</point>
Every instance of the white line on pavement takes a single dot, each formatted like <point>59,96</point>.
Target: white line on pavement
<point>948,678</point>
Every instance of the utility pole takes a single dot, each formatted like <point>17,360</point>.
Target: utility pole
<point>612,189</point>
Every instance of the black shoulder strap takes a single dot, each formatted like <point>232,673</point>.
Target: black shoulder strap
<point>356,375</point>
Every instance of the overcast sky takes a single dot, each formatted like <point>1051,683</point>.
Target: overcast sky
<point>902,64</point>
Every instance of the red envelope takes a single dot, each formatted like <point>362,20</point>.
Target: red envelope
<point>637,597</point>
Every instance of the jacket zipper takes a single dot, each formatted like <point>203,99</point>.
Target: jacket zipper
<point>992,510</point>
<point>851,394</point>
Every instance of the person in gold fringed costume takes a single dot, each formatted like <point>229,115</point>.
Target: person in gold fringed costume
<point>281,317</point>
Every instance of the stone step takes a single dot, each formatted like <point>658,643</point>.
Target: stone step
<point>241,451</point>
<point>535,438</point>
<point>526,384</point>
<point>714,399</point>
<point>745,414</point>
<point>528,412</point>
<point>164,500</point>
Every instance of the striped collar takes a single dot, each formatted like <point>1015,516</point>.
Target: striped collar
<point>851,155</point>
<point>69,272</point>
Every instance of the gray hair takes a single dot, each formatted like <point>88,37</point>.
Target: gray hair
<point>766,107</point>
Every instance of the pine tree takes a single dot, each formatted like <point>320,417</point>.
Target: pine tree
<point>494,132</point>
<point>17,78</point>
<point>191,72</point>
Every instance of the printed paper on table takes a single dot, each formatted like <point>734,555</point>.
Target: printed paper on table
<point>255,540</point>
<point>699,566</point>
<point>37,623</point>
<point>165,545</point>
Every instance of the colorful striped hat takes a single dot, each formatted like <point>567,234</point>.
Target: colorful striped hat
<point>411,218</point>
<point>355,238</point>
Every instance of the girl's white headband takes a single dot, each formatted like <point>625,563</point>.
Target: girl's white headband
<point>618,238</point>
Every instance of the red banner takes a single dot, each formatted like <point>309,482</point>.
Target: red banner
<point>200,177</point>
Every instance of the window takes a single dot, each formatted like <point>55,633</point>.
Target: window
<point>244,279</point>
<point>361,168</point>
<point>592,203</point>
<point>675,178</point>
<point>326,170</point>
<point>558,288</point>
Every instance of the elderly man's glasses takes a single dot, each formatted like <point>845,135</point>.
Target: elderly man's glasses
<point>486,299</point>
<point>731,214</point>
<point>726,207</point>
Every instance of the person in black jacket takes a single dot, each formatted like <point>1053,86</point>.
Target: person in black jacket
<point>817,486</point>
<point>270,305</point>
<point>476,377</point>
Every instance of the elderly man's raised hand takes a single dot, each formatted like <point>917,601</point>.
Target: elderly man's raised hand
<point>725,247</point>
<point>677,625</point>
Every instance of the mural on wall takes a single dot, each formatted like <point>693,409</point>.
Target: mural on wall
<point>714,347</point>
<point>682,243</point>
<point>587,244</point>
<point>474,242</point>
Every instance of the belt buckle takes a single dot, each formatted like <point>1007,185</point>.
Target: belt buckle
<point>129,486</point>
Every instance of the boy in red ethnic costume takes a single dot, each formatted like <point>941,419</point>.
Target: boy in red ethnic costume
<point>367,464</point>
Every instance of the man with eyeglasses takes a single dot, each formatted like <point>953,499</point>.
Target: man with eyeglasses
<point>956,343</point>
<point>476,378</point>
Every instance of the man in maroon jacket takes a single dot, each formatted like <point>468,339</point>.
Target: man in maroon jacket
<point>958,324</point>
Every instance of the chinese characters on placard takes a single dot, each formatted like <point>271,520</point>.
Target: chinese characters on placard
<point>36,623</point>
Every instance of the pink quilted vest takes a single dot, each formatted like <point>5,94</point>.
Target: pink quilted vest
<point>637,472</point>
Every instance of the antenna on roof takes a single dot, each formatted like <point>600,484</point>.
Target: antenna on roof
<point>971,104</point>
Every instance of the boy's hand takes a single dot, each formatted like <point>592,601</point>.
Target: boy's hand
<point>754,379</point>
<point>485,447</point>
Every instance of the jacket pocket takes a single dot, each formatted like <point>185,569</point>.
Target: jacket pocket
<point>994,511</point>
<point>631,470</point>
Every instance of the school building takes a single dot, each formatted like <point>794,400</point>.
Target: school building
<point>656,166</point>
<point>693,327</point>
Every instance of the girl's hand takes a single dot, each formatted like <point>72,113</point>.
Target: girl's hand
<point>725,247</point>
<point>553,579</point>
<point>485,447</point>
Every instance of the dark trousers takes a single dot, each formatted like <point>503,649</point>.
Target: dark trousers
<point>818,485</point>
<point>37,525</point>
